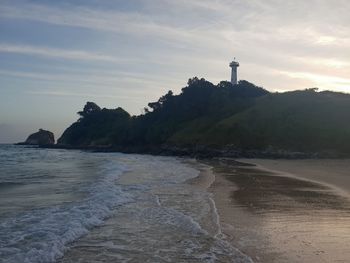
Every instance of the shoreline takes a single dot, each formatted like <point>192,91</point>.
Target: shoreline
<point>205,177</point>
<point>205,181</point>
<point>199,151</point>
<point>279,217</point>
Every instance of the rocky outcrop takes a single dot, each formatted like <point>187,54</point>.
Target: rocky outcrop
<point>41,137</point>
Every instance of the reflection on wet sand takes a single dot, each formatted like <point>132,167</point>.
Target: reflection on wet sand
<point>275,218</point>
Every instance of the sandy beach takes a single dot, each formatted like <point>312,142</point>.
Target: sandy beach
<point>284,211</point>
<point>332,172</point>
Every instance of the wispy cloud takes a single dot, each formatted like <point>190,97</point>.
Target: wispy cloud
<point>324,82</point>
<point>104,20</point>
<point>65,93</point>
<point>56,53</point>
<point>130,52</point>
<point>271,34</point>
<point>112,81</point>
<point>206,25</point>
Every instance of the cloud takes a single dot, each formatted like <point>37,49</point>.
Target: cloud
<point>324,82</point>
<point>204,25</point>
<point>64,93</point>
<point>131,52</point>
<point>97,78</point>
<point>103,20</point>
<point>56,53</point>
<point>190,35</point>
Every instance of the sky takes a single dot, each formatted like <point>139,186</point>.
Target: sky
<point>57,55</point>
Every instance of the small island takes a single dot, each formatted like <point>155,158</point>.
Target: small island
<point>40,138</point>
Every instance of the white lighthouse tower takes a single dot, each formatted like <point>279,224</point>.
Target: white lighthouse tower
<point>234,65</point>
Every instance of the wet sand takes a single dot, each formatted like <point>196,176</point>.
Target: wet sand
<point>333,172</point>
<point>205,178</point>
<point>170,218</point>
<point>278,217</point>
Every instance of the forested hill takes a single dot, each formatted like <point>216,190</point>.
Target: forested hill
<point>222,119</point>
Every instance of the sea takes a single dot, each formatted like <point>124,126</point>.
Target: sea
<point>77,206</point>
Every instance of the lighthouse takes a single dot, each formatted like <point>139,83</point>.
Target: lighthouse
<point>234,65</point>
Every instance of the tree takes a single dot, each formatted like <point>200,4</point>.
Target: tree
<point>90,107</point>
<point>162,100</point>
<point>225,85</point>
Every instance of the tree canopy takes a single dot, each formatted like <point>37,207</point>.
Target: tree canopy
<point>244,116</point>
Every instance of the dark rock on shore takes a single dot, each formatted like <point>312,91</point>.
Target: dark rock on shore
<point>42,137</point>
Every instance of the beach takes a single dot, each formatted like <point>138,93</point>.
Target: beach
<point>332,172</point>
<point>114,207</point>
<point>74,206</point>
<point>171,217</point>
<point>284,210</point>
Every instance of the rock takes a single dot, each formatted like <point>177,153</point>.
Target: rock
<point>41,137</point>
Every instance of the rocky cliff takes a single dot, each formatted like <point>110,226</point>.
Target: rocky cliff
<point>42,137</point>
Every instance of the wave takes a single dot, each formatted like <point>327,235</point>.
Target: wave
<point>9,184</point>
<point>43,235</point>
<point>155,215</point>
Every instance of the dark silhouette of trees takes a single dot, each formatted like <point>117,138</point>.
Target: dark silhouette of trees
<point>162,100</point>
<point>243,115</point>
<point>97,126</point>
<point>163,118</point>
<point>90,107</point>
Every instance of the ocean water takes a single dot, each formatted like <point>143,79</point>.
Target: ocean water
<point>75,206</point>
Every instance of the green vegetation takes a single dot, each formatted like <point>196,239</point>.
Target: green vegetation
<point>241,117</point>
<point>97,127</point>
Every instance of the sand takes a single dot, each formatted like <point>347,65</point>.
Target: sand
<point>206,176</point>
<point>332,172</point>
<point>296,215</point>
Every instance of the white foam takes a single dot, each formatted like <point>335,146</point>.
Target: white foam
<point>216,218</point>
<point>160,202</point>
<point>170,216</point>
<point>43,235</point>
